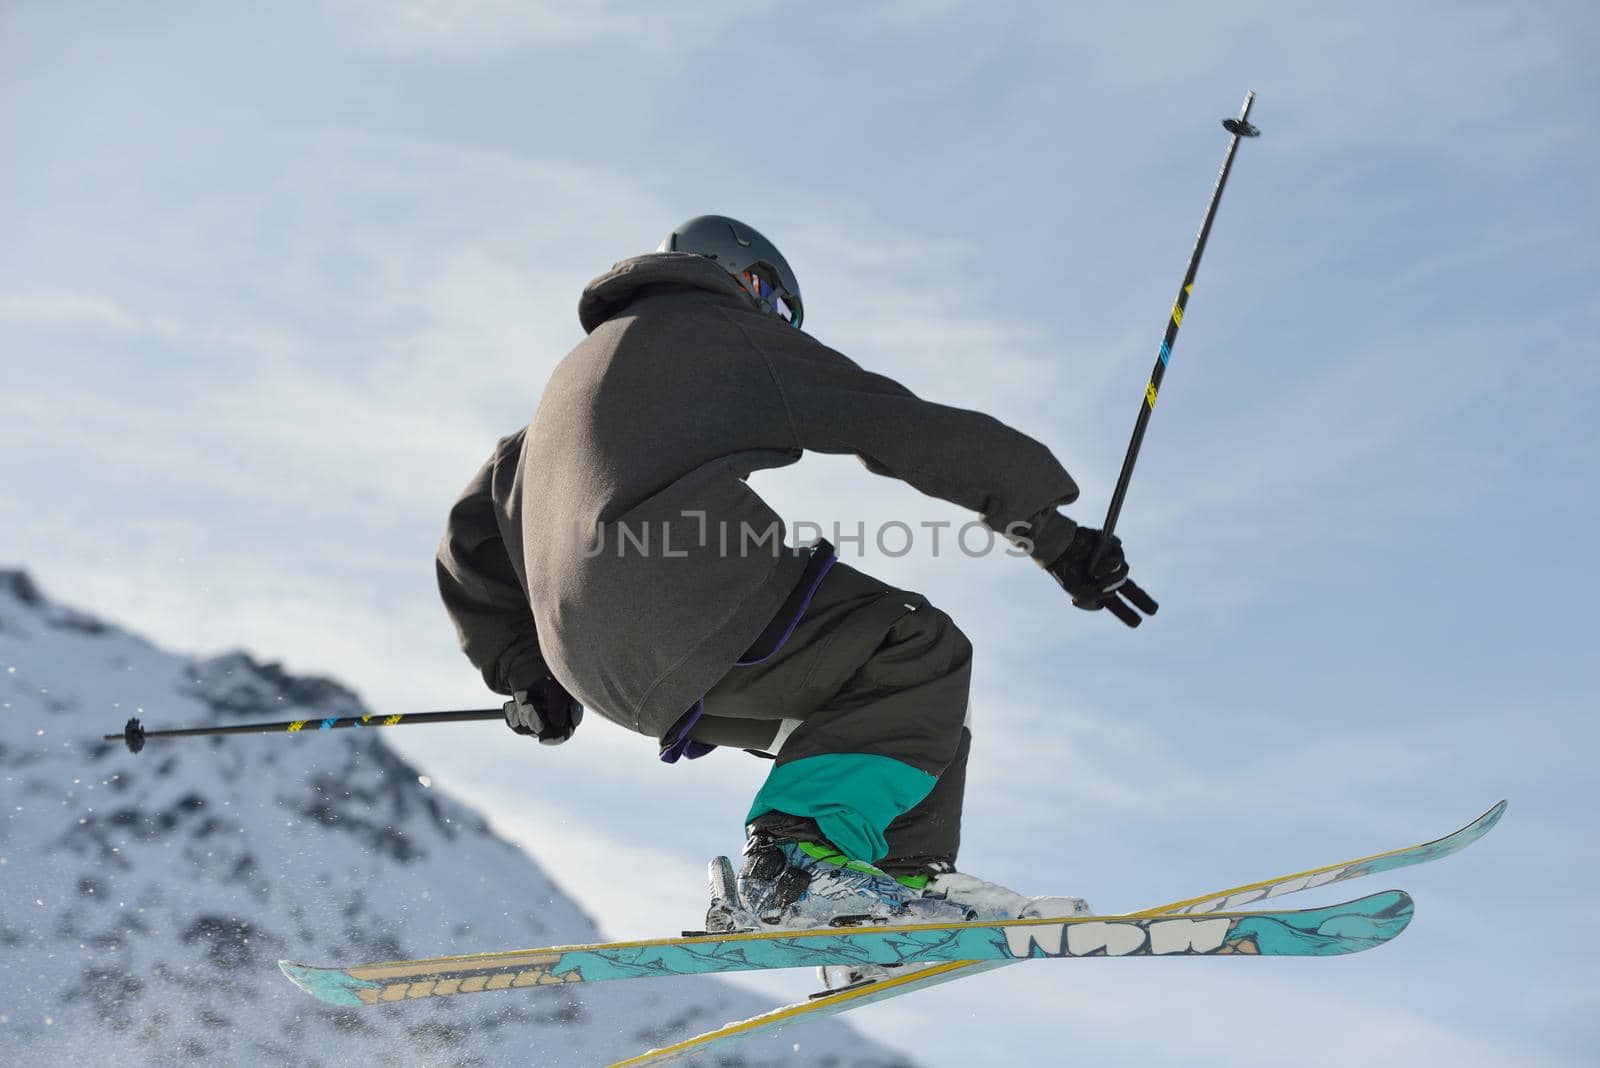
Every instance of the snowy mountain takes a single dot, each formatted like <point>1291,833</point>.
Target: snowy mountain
<point>144,899</point>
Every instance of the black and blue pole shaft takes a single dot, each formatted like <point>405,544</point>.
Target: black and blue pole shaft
<point>133,733</point>
<point>1239,128</point>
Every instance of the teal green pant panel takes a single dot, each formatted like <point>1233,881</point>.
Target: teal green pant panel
<point>853,797</point>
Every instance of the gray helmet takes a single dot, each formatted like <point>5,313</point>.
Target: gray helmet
<point>741,251</point>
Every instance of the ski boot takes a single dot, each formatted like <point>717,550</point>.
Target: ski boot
<point>793,884</point>
<point>983,900</point>
<point>943,894</point>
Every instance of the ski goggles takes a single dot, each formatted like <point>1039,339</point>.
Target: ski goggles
<point>771,296</point>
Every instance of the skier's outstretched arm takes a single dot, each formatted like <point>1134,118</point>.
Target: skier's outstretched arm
<point>968,458</point>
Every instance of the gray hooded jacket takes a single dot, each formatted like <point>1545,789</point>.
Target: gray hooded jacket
<point>614,542</point>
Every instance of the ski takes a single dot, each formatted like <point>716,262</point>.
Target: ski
<point>1331,931</point>
<point>920,978</point>
<point>1376,864</point>
<point>832,1003</point>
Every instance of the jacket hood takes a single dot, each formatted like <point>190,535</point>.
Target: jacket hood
<point>618,287</point>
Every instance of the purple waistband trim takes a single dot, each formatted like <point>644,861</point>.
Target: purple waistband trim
<point>682,745</point>
<point>794,621</point>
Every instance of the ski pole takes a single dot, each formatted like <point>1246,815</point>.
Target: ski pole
<point>1238,128</point>
<point>133,733</point>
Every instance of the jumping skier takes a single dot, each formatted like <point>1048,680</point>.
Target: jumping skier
<point>611,556</point>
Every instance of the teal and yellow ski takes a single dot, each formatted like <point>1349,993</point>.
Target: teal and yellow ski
<point>1331,931</point>
<point>934,974</point>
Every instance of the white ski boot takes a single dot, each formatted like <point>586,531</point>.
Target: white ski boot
<point>947,894</point>
<point>983,900</point>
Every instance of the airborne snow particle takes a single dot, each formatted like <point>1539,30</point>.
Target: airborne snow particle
<point>424,780</point>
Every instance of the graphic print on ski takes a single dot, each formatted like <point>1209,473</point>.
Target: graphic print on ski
<point>1331,931</point>
<point>835,1002</point>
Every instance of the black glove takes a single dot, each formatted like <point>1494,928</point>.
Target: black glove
<point>1095,573</point>
<point>546,711</point>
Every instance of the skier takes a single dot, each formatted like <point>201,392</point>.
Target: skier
<point>611,556</point>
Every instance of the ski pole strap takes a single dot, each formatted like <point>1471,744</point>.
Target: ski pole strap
<point>678,743</point>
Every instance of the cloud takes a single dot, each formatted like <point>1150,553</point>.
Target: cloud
<point>476,28</point>
<point>78,310</point>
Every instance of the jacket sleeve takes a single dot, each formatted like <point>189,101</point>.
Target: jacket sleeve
<point>481,588</point>
<point>974,460</point>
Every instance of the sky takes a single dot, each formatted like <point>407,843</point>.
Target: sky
<point>274,280</point>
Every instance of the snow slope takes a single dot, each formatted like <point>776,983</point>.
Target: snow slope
<point>144,899</point>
